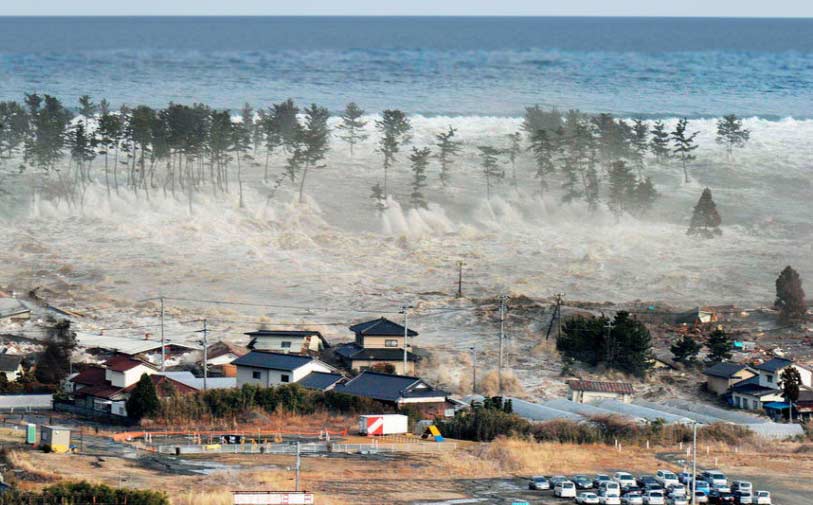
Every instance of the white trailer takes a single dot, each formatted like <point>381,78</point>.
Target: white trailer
<point>383,424</point>
<point>272,498</point>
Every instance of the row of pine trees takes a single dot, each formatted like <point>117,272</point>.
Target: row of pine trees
<point>186,149</point>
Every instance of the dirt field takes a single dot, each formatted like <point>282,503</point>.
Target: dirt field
<point>489,473</point>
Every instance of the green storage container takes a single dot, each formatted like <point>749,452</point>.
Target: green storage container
<point>31,434</point>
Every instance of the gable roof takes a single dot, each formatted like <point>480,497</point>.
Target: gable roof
<point>223,348</point>
<point>774,365</point>
<point>601,387</point>
<point>121,363</point>
<point>387,387</point>
<point>320,380</point>
<point>272,360</point>
<point>91,376</point>
<point>752,387</point>
<point>353,351</point>
<point>725,369</point>
<point>162,380</point>
<point>285,333</point>
<point>381,327</point>
<point>10,362</point>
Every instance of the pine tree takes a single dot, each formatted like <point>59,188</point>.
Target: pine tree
<point>546,149</point>
<point>631,345</point>
<point>731,134</point>
<point>13,129</point>
<point>53,365</point>
<point>705,218</point>
<point>645,195</point>
<point>315,137</point>
<point>686,349</point>
<point>143,401</point>
<point>87,108</point>
<point>351,126</point>
<point>377,195</point>
<point>109,133</point>
<point>394,127</point>
<point>790,297</point>
<point>684,145</point>
<point>639,145</point>
<point>513,150</point>
<point>448,148</point>
<point>491,167</point>
<point>420,160</point>
<point>719,345</point>
<point>659,144</point>
<point>622,188</point>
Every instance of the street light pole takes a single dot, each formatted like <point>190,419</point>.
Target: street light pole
<point>473,370</point>
<point>694,463</point>
<point>405,310</point>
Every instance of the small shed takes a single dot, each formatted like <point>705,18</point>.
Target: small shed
<point>55,438</point>
<point>586,391</point>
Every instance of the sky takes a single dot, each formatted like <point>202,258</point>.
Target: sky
<point>714,8</point>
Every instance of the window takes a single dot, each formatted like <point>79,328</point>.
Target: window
<point>256,375</point>
<point>390,343</point>
<point>285,344</point>
<point>284,378</point>
<point>769,378</point>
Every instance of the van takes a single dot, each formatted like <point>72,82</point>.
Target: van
<point>565,489</point>
<point>610,488</point>
<point>667,478</point>
<point>715,478</point>
<point>741,486</point>
<point>624,479</point>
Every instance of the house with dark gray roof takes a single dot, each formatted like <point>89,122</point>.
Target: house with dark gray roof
<point>321,381</point>
<point>720,377</point>
<point>396,390</point>
<point>272,368</point>
<point>770,372</point>
<point>379,344</point>
<point>288,341</point>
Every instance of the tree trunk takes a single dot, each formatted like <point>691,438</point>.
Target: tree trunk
<point>302,183</point>
<point>685,173</point>
<point>240,181</point>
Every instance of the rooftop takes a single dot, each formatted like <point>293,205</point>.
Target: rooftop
<point>381,327</point>
<point>121,363</point>
<point>725,369</point>
<point>125,345</point>
<point>774,365</point>
<point>353,351</point>
<point>223,348</point>
<point>601,387</point>
<point>272,360</point>
<point>387,387</point>
<point>752,387</point>
<point>320,380</point>
<point>91,376</point>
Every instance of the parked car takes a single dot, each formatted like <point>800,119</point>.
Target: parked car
<point>610,488</point>
<point>667,478</point>
<point>555,479</point>
<point>685,477</point>
<point>565,489</point>
<point>715,477</point>
<point>582,481</point>
<point>538,483</point>
<point>677,500</point>
<point>609,499</point>
<point>717,497</point>
<point>701,485</point>
<point>741,485</point>
<point>724,488</point>
<point>744,497</point>
<point>599,479</point>
<point>654,497</point>
<point>675,491</point>
<point>653,486</point>
<point>631,490</point>
<point>624,479</point>
<point>701,497</point>
<point>632,499</point>
<point>762,498</point>
<point>587,499</point>
<point>643,479</point>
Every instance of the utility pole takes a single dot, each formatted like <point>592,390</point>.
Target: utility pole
<point>559,297</point>
<point>298,466</point>
<point>460,279</point>
<point>405,310</point>
<point>502,338</point>
<point>206,356</point>
<point>610,353</point>
<point>163,343</point>
<point>694,463</point>
<point>473,369</point>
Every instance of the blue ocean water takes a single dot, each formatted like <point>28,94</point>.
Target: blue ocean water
<point>435,66</point>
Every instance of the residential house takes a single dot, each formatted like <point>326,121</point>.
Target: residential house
<point>697,316</point>
<point>751,394</point>
<point>398,391</point>
<point>770,372</point>
<point>223,353</point>
<point>11,366</point>
<point>122,371</point>
<point>272,368</point>
<point>197,383</point>
<point>322,381</point>
<point>379,345</point>
<point>288,341</point>
<point>720,377</point>
<point>586,391</point>
<point>804,405</point>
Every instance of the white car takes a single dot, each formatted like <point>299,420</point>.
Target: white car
<point>610,499</point>
<point>677,500</point>
<point>762,498</point>
<point>676,491</point>
<point>624,479</point>
<point>632,499</point>
<point>742,486</point>
<point>723,488</point>
<point>745,498</point>
<point>667,478</point>
<point>701,497</point>
<point>565,489</point>
<point>715,478</point>
<point>587,499</point>
<point>610,488</point>
<point>654,498</point>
